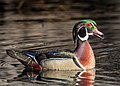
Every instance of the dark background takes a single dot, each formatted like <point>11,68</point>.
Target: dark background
<point>43,24</point>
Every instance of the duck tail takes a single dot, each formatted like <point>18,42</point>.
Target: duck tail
<point>16,54</point>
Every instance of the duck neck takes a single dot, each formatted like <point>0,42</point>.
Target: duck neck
<point>85,54</point>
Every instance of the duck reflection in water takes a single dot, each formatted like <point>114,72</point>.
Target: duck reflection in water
<point>77,78</point>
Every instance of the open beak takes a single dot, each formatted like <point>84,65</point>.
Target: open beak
<point>98,33</point>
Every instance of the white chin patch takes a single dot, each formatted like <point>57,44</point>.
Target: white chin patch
<point>84,38</point>
<point>90,34</point>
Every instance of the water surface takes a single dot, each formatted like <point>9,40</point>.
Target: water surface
<point>50,30</point>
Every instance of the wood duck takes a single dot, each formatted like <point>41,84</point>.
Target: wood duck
<point>82,58</point>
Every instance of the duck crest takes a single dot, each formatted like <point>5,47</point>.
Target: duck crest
<point>85,55</point>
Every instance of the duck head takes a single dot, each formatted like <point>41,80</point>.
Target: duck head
<point>82,30</point>
<point>85,28</point>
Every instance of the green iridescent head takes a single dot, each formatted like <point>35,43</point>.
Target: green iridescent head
<point>84,28</point>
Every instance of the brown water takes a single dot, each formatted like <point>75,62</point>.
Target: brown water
<point>44,29</point>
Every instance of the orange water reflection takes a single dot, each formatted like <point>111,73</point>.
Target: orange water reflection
<point>84,78</point>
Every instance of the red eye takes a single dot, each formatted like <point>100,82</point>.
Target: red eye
<point>88,25</point>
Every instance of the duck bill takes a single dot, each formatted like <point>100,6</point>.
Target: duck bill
<point>98,34</point>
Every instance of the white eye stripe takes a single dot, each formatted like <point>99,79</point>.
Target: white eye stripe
<point>92,24</point>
